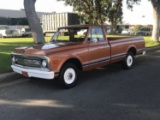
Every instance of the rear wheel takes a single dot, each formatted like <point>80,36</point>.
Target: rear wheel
<point>128,62</point>
<point>68,75</point>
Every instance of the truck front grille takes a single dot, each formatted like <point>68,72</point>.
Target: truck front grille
<point>28,62</point>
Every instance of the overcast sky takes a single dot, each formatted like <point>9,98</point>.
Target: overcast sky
<point>141,14</point>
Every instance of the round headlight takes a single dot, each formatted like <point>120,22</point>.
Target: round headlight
<point>13,59</point>
<point>44,63</point>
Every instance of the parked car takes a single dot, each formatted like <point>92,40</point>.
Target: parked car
<point>127,32</point>
<point>5,33</point>
<point>15,33</point>
<point>67,54</point>
<point>145,31</point>
<point>26,32</point>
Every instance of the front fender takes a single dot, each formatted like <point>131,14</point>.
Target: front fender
<point>56,62</point>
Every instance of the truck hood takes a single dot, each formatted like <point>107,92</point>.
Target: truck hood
<point>47,48</point>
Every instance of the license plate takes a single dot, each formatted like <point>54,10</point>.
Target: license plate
<point>25,74</point>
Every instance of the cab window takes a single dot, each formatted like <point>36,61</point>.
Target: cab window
<point>96,34</point>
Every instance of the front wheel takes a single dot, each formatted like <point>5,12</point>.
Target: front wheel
<point>128,62</point>
<point>68,75</point>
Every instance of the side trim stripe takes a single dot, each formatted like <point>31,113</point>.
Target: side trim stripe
<point>96,62</point>
<point>103,60</point>
<point>118,56</point>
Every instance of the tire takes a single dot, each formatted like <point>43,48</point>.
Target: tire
<point>128,62</point>
<point>68,75</point>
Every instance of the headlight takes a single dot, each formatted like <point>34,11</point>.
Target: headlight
<point>44,63</point>
<point>13,59</point>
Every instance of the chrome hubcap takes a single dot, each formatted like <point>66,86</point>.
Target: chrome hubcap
<point>69,76</point>
<point>129,60</point>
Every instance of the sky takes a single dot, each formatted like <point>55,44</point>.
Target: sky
<point>141,14</point>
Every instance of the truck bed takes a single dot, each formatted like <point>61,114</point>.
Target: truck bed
<point>118,38</point>
<point>120,45</point>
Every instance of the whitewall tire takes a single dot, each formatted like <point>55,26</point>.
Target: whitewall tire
<point>128,62</point>
<point>68,75</point>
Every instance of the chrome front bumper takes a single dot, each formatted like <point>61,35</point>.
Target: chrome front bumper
<point>28,72</point>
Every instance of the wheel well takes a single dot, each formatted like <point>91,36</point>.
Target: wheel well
<point>133,50</point>
<point>76,62</point>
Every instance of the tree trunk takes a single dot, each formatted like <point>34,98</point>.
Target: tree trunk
<point>112,27</point>
<point>156,14</point>
<point>34,21</point>
<point>155,32</point>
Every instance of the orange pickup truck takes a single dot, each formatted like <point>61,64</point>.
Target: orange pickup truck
<point>73,49</point>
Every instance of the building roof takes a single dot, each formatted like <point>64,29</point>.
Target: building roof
<point>16,13</point>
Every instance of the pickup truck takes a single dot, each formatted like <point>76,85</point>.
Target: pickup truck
<point>73,49</point>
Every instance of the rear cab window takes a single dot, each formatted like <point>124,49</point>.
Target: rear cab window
<point>96,34</point>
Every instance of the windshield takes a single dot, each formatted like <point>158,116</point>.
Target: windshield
<point>70,35</point>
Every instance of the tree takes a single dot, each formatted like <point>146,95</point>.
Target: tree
<point>34,21</point>
<point>85,9</point>
<point>79,5</point>
<point>92,11</point>
<point>156,14</point>
<point>114,14</point>
<point>98,11</point>
<point>101,10</point>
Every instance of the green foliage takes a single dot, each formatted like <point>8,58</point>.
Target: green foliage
<point>85,9</point>
<point>98,11</point>
<point>114,13</point>
<point>150,43</point>
<point>91,11</point>
<point>131,3</point>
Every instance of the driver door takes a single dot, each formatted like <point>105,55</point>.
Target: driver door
<point>99,49</point>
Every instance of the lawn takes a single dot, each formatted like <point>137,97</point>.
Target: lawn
<point>7,45</point>
<point>150,43</point>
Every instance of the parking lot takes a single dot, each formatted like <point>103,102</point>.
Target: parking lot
<point>108,93</point>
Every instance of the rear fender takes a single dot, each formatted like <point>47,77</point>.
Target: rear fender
<point>132,49</point>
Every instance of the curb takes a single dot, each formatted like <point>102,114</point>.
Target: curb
<point>12,75</point>
<point>152,49</point>
<point>6,77</point>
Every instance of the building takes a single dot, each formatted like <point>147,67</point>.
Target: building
<point>14,18</point>
<point>14,23</point>
<point>51,21</point>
